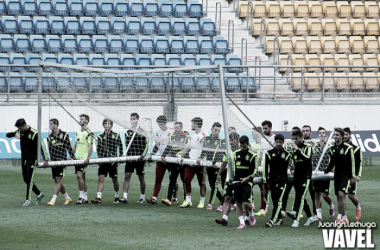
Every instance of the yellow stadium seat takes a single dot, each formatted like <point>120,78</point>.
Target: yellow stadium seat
<point>342,60</point>
<point>301,27</point>
<point>286,27</point>
<point>315,26</point>
<point>269,44</point>
<point>371,44</point>
<point>273,28</point>
<point>274,9</point>
<point>298,60</point>
<point>288,10</point>
<point>286,45</point>
<point>344,27</point>
<point>370,60</point>
<point>296,82</point>
<point>329,81</point>
<point>341,81</point>
<point>356,81</point>
<point>372,27</point>
<point>343,44</point>
<point>302,9</point>
<point>330,10</point>
<point>300,45</point>
<point>257,26</point>
<point>312,81</point>
<point>358,9</point>
<point>357,27</point>
<point>329,27</point>
<point>316,9</point>
<point>344,9</point>
<point>356,60</point>
<point>284,61</point>
<point>313,60</point>
<point>328,44</point>
<point>314,44</point>
<point>371,81</point>
<point>244,7</point>
<point>357,44</point>
<point>372,9</point>
<point>259,9</point>
<point>328,59</point>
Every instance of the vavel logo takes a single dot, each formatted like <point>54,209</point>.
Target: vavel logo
<point>352,235</point>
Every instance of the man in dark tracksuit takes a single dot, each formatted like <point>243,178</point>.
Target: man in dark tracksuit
<point>276,162</point>
<point>302,155</point>
<point>29,144</point>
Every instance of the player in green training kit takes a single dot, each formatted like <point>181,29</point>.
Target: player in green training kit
<point>108,143</point>
<point>59,144</point>
<point>83,150</point>
<point>29,142</point>
<point>358,172</point>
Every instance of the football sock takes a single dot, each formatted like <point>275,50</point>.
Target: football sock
<point>125,195</point>
<point>54,198</point>
<point>85,195</point>
<point>344,217</point>
<point>142,196</point>
<point>251,213</point>
<point>241,219</point>
<point>99,195</point>
<point>319,212</point>
<point>188,198</point>
<point>358,206</point>
<point>339,216</point>
<point>117,194</point>
<point>202,199</point>
<point>331,205</point>
<point>67,197</point>
<point>81,194</point>
<point>225,217</point>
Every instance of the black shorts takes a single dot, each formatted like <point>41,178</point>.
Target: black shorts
<point>58,172</point>
<point>80,169</point>
<point>242,192</point>
<point>352,189</point>
<point>228,190</point>
<point>341,184</point>
<point>138,165</point>
<point>321,187</point>
<point>108,168</point>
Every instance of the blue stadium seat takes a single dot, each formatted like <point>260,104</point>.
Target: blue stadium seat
<point>133,25</point>
<point>3,8</point>
<point>203,60</point>
<point>9,24</point>
<point>63,81</point>
<point>41,25</point>
<point>246,78</point>
<point>143,60</point>
<point>220,45</point>
<point>231,81</point>
<point>51,58</point>
<point>158,81</point>
<point>195,9</point>
<point>103,25</point>
<point>151,8</point>
<point>80,81</point>
<point>178,26</point>
<point>111,82</point>
<point>57,26</point>
<point>131,44</point>
<point>64,58</point>
<point>72,25</point>
<point>17,58</point>
<point>187,81</point>
<point>14,8</point>
<point>180,9</point>
<point>16,83</point>
<point>136,8</point>
<point>97,60</point>
<point>37,43</point>
<point>188,60</point>
<point>165,8</point>
<point>146,44</point>
<point>128,60</point>
<point>105,8</point>
<point>218,60</point>
<point>95,82</point>
<point>112,60</point>
<point>81,59</point>
<point>148,26</point>
<point>48,82</point>
<point>1,27</point>
<point>91,7</point>
<point>84,44</point>
<point>214,81</point>
<point>115,43</point>
<point>176,44</point>
<point>61,8</point>
<point>191,44</point>
<point>4,59</point>
<point>118,25</point>
<point>193,26</point>
<point>158,59</point>
<point>6,43</point>
<point>141,82</point>
<point>25,24</point>
<point>32,59</point>
<point>21,42</point>
<point>76,8</point>
<point>233,60</point>
<point>54,43</point>
<point>31,81</point>
<point>3,83</point>
<point>163,26</point>
<point>69,43</point>
<point>100,43</point>
<point>88,25</point>
<point>208,27</point>
<point>205,44</point>
<point>45,8</point>
<point>127,83</point>
<point>120,7</point>
<point>202,81</point>
<point>161,44</point>
<point>30,8</point>
<point>173,60</point>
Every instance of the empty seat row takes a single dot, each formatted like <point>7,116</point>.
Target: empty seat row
<point>163,8</point>
<point>29,62</point>
<point>105,25</point>
<point>324,44</point>
<point>113,43</point>
<point>338,81</point>
<point>330,9</point>
<point>315,26</point>
<point>340,61</point>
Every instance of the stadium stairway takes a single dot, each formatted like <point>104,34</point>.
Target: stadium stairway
<point>254,52</point>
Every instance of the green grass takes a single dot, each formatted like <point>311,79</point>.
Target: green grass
<point>143,226</point>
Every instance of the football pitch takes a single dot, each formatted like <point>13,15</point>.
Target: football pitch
<point>144,226</point>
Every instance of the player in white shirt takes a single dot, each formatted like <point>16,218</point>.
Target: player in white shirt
<point>163,137</point>
<point>195,147</point>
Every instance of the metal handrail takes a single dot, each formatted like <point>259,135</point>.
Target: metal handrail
<point>287,64</point>
<point>231,22</point>
<point>242,50</point>
<point>261,34</point>
<point>274,50</point>
<point>220,17</point>
<point>249,17</point>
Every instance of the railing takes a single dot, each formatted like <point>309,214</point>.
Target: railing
<point>231,36</point>
<point>263,45</point>
<point>218,22</point>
